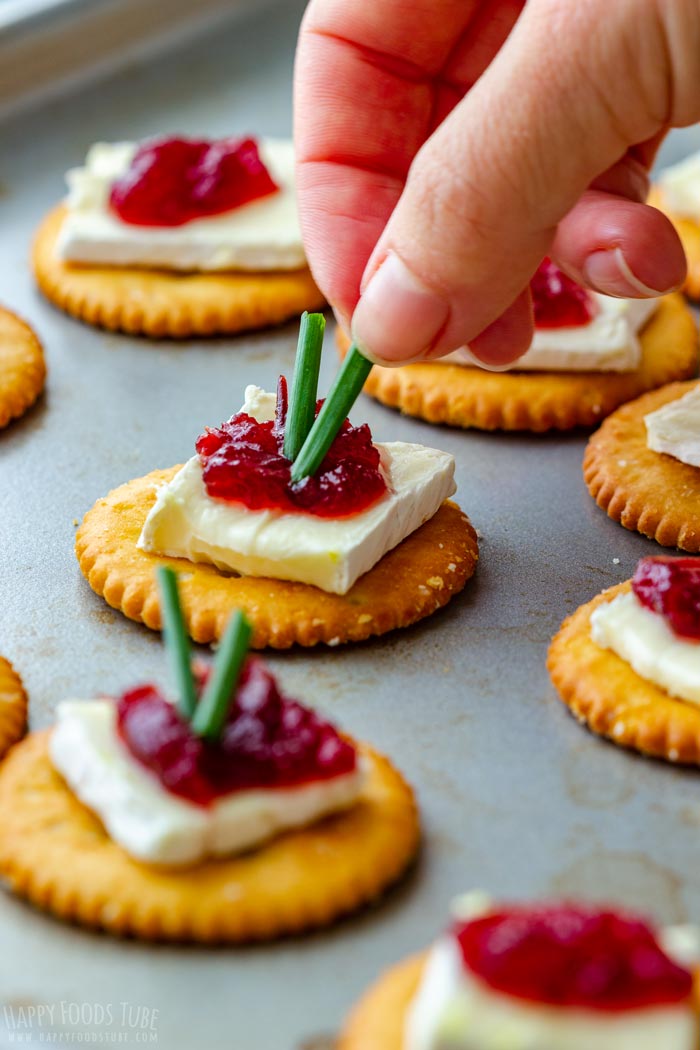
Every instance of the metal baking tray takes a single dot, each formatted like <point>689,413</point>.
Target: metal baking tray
<point>515,796</point>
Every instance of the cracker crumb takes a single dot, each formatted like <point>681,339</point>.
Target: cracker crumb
<point>435,581</point>
<point>76,522</point>
<point>673,754</point>
<point>334,641</point>
<point>365,618</point>
<point>451,567</point>
<point>619,729</point>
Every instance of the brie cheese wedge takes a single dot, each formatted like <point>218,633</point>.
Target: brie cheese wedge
<point>675,428</point>
<point>262,235</point>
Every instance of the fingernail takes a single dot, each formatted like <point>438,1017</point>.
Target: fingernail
<point>608,272</point>
<point>397,318</point>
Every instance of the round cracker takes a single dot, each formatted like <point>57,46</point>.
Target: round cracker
<point>377,1022</point>
<point>646,491</point>
<point>160,303</point>
<point>461,396</point>
<point>412,581</point>
<point>608,696</point>
<point>13,706</point>
<point>22,367</point>
<point>689,233</point>
<point>56,853</point>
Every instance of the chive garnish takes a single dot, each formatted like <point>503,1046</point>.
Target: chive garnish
<point>213,707</point>
<point>341,397</point>
<point>176,641</point>
<point>302,401</point>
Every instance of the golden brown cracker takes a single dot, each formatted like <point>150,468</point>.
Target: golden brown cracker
<point>689,233</point>
<point>159,303</point>
<point>646,491</point>
<point>608,696</point>
<point>13,706</point>
<point>410,582</point>
<point>56,853</point>
<point>377,1021</point>
<point>22,367</point>
<point>462,396</point>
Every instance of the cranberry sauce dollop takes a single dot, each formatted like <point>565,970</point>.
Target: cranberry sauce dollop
<point>269,741</point>
<point>173,180</point>
<point>671,587</point>
<point>573,956</point>
<point>558,301</point>
<point>243,462</point>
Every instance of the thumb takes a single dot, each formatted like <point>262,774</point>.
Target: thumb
<point>486,192</point>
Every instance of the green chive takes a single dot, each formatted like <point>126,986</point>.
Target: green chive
<point>214,704</point>
<point>302,401</point>
<point>176,641</point>
<point>341,397</point>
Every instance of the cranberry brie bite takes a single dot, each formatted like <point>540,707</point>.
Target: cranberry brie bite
<point>539,977</point>
<point>577,330</point>
<point>235,506</point>
<point>232,813</point>
<point>655,626</point>
<point>291,514</point>
<point>178,237</point>
<point>628,663</point>
<point>184,204</point>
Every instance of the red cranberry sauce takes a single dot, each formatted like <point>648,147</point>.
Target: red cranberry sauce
<point>269,741</point>
<point>572,956</point>
<point>671,587</point>
<point>558,301</point>
<point>173,180</point>
<point>243,462</point>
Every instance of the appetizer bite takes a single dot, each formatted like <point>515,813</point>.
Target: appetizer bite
<point>677,194</point>
<point>590,353</point>
<point>178,237</point>
<point>22,367</point>
<point>291,514</point>
<point>627,664</point>
<point>232,814</point>
<point>13,706</point>
<point>536,977</point>
<point>643,466</point>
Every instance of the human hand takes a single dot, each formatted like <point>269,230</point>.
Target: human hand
<point>445,146</point>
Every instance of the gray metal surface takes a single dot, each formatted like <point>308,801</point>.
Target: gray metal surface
<point>515,796</point>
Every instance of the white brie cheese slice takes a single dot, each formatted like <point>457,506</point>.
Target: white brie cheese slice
<point>646,642</point>
<point>328,553</point>
<point>680,188</point>
<point>454,1010</point>
<point>675,428</point>
<point>608,344</point>
<point>158,827</point>
<point>263,235</point>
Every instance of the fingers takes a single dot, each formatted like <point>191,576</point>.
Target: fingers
<point>619,247</point>
<point>371,80</point>
<point>487,191</point>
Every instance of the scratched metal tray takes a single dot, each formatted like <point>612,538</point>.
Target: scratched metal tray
<point>515,796</point>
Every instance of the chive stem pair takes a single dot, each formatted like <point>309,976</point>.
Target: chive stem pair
<point>307,437</point>
<point>207,715</point>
